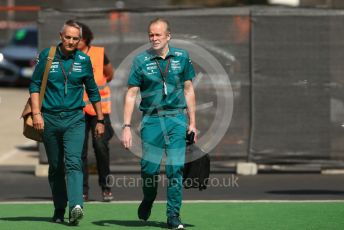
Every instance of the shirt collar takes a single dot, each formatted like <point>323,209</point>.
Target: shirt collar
<point>154,56</point>
<point>62,55</point>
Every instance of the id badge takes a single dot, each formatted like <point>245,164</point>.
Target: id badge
<point>165,89</point>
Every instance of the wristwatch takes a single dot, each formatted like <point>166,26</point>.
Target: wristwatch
<point>126,125</point>
<point>101,121</point>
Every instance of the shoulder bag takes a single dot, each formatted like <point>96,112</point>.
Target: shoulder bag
<point>28,130</point>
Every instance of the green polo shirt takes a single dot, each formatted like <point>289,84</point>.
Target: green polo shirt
<point>145,74</point>
<point>56,97</point>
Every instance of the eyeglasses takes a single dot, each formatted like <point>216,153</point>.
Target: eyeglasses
<point>69,38</point>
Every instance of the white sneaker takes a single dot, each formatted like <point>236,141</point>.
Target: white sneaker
<point>173,222</point>
<point>75,215</point>
<point>180,227</point>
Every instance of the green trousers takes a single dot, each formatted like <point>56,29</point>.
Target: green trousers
<point>63,138</point>
<point>163,134</point>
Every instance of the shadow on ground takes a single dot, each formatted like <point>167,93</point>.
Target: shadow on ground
<point>31,148</point>
<point>29,218</point>
<point>134,223</point>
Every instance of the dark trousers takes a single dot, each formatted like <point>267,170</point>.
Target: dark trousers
<point>101,150</point>
<point>160,135</point>
<point>63,137</point>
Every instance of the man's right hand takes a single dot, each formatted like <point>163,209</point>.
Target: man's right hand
<point>126,138</point>
<point>38,122</point>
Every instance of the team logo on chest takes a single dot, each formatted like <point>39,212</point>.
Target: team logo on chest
<point>77,67</point>
<point>54,67</point>
<point>151,68</point>
<point>175,65</point>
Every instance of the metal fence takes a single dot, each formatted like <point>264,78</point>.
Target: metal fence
<point>269,80</point>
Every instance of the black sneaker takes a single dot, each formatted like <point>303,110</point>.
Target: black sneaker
<point>173,222</point>
<point>107,196</point>
<point>144,210</point>
<point>59,215</point>
<point>75,215</point>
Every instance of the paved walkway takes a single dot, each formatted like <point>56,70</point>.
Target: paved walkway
<point>15,149</point>
<point>18,157</point>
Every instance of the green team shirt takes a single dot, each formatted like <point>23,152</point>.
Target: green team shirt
<point>145,74</point>
<point>56,97</point>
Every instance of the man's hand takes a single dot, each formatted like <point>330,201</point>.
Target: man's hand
<point>192,128</point>
<point>38,122</point>
<point>126,138</point>
<point>99,130</point>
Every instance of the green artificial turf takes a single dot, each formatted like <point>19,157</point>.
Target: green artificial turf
<point>217,216</point>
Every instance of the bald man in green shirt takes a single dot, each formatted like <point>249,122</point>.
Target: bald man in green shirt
<point>62,120</point>
<point>163,74</point>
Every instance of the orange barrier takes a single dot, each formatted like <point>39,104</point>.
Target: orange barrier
<point>14,24</point>
<point>20,8</point>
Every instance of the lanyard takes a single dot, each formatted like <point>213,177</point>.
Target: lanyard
<point>164,75</point>
<point>66,75</point>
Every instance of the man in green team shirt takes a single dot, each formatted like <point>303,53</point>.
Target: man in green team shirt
<point>62,120</point>
<point>163,74</point>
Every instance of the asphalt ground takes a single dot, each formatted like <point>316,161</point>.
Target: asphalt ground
<point>18,183</point>
<point>19,156</point>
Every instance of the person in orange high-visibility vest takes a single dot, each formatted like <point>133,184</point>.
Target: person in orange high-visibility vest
<point>103,73</point>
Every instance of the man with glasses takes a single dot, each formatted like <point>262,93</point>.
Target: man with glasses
<point>62,121</point>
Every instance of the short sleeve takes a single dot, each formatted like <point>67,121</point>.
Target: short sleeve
<point>135,75</point>
<point>189,71</point>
